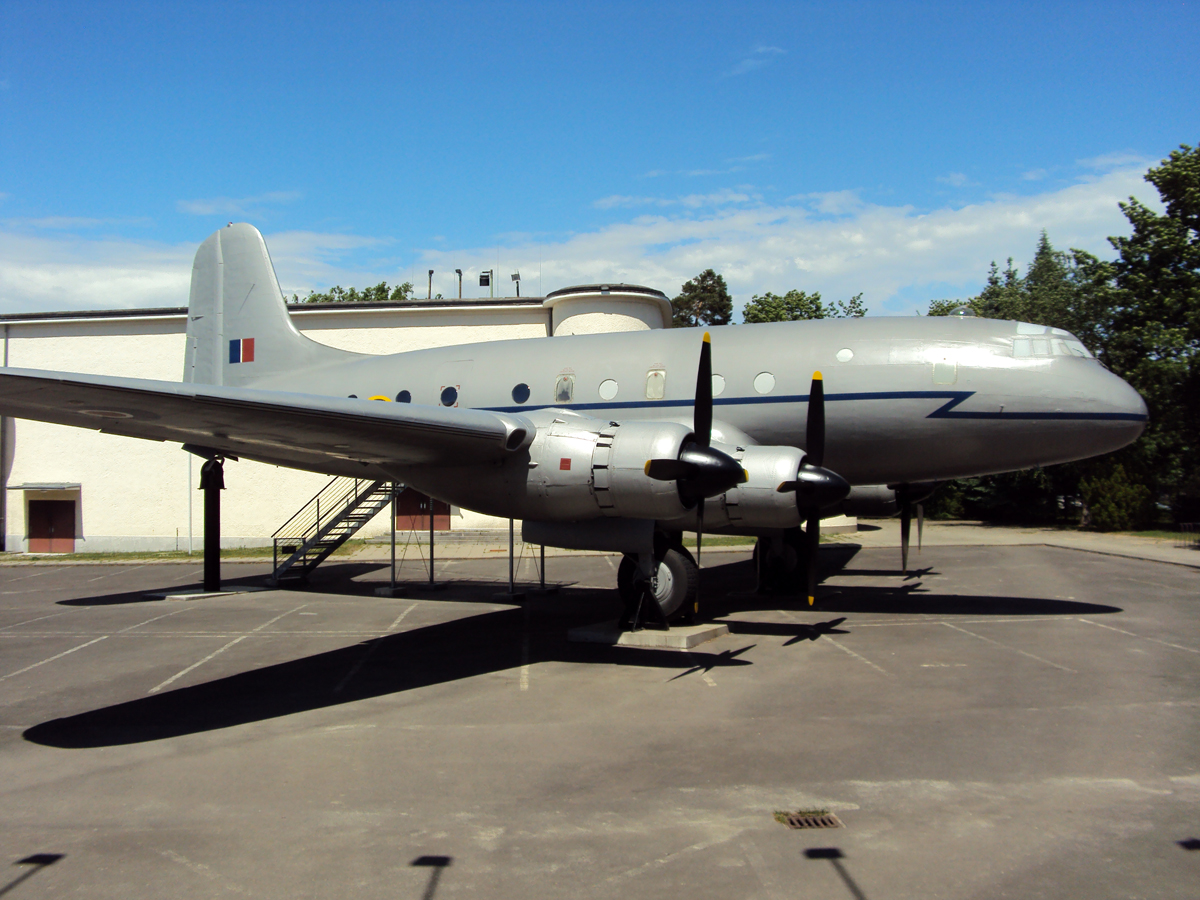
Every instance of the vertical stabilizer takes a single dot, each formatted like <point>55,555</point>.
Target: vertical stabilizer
<point>238,329</point>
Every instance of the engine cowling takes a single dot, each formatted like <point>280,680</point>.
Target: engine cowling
<point>580,473</point>
<point>757,503</point>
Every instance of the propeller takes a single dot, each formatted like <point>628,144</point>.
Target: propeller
<point>815,486</point>
<point>910,498</point>
<point>701,470</point>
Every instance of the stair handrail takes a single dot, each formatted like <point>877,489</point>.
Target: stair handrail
<point>337,494</point>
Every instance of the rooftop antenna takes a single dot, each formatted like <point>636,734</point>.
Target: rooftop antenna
<point>429,296</point>
<point>517,281</point>
<point>458,272</point>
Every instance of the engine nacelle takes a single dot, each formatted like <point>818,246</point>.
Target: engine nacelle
<point>577,473</point>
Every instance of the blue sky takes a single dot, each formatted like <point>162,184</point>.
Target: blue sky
<point>894,149</point>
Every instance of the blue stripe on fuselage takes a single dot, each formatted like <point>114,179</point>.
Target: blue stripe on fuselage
<point>945,411</point>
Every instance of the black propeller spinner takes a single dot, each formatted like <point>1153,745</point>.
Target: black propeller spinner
<point>815,486</point>
<point>701,470</point>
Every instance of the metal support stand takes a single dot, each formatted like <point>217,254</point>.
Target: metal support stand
<point>512,593</point>
<point>212,482</point>
<point>393,537</point>
<point>542,588</point>
<point>430,585</point>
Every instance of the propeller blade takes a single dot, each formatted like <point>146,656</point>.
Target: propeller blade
<point>667,469</point>
<point>699,542</point>
<point>920,524</point>
<point>812,534</point>
<point>814,432</point>
<point>702,413</point>
<point>905,524</point>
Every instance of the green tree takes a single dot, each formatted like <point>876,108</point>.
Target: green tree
<point>380,293</point>
<point>704,300</point>
<point>1155,340</point>
<point>1140,314</point>
<point>796,305</point>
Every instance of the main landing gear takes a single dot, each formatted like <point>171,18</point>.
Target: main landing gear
<point>658,588</point>
<point>780,562</point>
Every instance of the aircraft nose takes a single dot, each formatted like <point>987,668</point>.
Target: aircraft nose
<point>1120,408</point>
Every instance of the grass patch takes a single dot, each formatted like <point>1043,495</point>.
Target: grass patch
<point>721,540</point>
<point>1162,535</point>
<point>151,555</point>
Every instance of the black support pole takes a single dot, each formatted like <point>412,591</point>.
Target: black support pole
<point>212,482</point>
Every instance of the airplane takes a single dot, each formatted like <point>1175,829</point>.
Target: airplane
<point>618,442</point>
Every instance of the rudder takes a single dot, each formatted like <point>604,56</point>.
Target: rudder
<point>238,328</point>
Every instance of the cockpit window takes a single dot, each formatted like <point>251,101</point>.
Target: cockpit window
<point>1034,347</point>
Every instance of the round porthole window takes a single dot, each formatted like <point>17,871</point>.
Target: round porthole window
<point>718,382</point>
<point>845,355</point>
<point>449,395</point>
<point>608,389</point>
<point>764,382</point>
<point>520,393</point>
<point>404,397</point>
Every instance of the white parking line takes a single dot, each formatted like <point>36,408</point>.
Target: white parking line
<point>52,658</point>
<point>118,571</point>
<point>860,658</point>
<point>1011,649</point>
<point>357,667</point>
<point>216,653</point>
<point>523,681</point>
<point>28,621</point>
<point>155,619</point>
<point>1143,637</point>
<point>36,574</point>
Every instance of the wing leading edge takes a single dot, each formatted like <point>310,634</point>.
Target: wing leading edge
<point>304,431</point>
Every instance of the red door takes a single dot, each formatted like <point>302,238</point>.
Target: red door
<point>412,512</point>
<point>51,526</point>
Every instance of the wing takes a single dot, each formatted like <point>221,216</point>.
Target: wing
<point>304,431</point>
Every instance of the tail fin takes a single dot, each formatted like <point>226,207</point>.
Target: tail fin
<point>238,330</point>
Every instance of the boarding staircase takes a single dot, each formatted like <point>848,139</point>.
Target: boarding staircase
<point>324,523</point>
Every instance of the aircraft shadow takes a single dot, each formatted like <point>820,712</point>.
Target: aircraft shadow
<point>392,664</point>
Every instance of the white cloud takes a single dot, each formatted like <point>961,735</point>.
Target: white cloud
<point>231,206</point>
<point>1118,160</point>
<point>892,253</point>
<point>832,242</point>
<point>760,56</point>
<point>954,179</point>
<point>1034,175</point>
<point>72,223</point>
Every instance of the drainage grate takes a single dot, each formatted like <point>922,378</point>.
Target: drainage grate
<point>808,818</point>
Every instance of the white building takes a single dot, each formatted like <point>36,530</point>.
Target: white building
<point>70,489</point>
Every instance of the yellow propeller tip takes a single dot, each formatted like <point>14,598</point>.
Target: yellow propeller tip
<point>646,468</point>
<point>811,600</point>
<point>746,477</point>
<point>707,339</point>
<point>817,376</point>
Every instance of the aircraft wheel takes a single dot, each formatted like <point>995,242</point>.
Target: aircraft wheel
<point>675,587</point>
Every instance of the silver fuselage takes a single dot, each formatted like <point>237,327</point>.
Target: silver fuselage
<point>907,399</point>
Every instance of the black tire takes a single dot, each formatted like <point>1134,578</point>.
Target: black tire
<point>678,578</point>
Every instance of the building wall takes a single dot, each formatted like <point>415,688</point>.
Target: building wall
<point>143,495</point>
